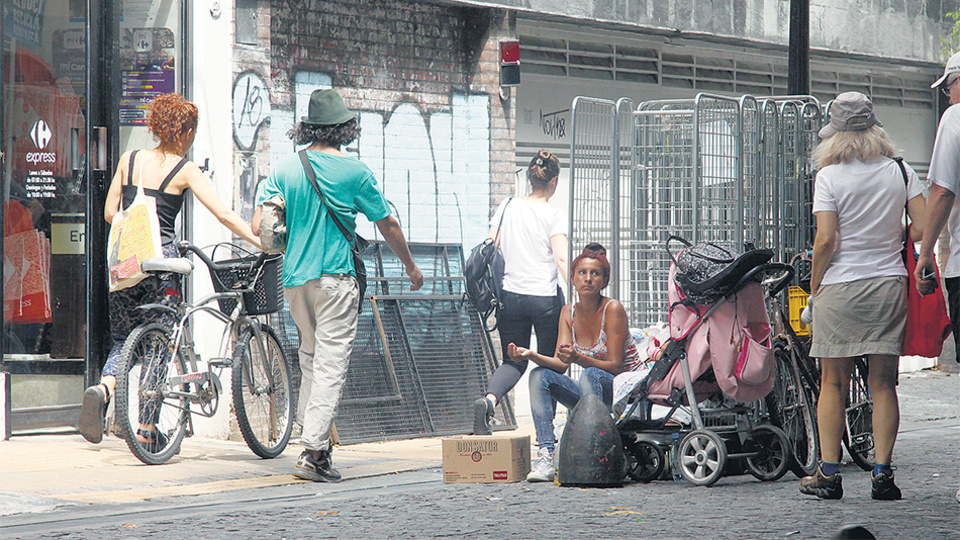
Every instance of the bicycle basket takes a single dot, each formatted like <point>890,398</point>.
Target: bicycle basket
<point>265,295</point>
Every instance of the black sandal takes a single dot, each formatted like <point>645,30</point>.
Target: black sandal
<point>155,440</point>
<point>93,411</point>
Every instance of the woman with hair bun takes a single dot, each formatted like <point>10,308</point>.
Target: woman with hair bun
<point>533,240</point>
<point>166,176</point>
<point>594,334</point>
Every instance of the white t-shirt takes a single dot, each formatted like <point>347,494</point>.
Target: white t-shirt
<point>945,172</point>
<point>868,199</point>
<point>529,266</point>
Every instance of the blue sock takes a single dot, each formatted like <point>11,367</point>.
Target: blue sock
<point>882,468</point>
<point>829,469</point>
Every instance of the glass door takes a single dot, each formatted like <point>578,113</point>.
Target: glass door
<point>44,178</point>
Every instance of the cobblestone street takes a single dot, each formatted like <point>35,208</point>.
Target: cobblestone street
<point>418,505</point>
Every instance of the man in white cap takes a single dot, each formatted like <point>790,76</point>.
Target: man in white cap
<point>944,177</point>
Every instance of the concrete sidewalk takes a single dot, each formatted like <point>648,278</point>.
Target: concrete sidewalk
<point>43,472</point>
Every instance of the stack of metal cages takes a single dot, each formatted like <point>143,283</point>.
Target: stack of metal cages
<point>709,169</point>
<point>419,358</point>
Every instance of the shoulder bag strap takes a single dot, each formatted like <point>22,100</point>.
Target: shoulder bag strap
<point>906,180</point>
<point>312,176</point>
<point>133,158</point>
<point>496,237</point>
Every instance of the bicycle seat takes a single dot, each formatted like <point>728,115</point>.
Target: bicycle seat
<point>162,264</point>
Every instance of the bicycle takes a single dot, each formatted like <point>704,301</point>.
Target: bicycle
<point>162,380</point>
<point>792,402</point>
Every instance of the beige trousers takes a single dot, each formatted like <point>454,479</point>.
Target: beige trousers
<point>325,311</point>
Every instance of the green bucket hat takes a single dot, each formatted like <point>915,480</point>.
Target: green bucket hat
<point>327,108</point>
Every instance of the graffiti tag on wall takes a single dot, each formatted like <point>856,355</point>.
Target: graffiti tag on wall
<point>553,124</point>
<point>251,108</point>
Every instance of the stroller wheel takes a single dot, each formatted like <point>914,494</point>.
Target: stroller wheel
<point>770,451</point>
<point>702,458</point>
<point>645,461</point>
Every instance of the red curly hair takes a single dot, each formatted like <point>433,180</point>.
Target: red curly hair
<point>171,115</point>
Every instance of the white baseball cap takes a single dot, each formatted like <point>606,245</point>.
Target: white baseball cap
<point>952,67</point>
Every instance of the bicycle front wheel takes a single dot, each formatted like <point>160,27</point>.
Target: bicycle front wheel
<point>791,410</point>
<point>859,435</point>
<point>262,394</point>
<point>147,405</point>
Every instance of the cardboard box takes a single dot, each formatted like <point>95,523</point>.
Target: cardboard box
<point>471,459</point>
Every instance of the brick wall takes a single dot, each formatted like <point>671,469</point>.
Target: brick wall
<point>425,79</point>
<point>251,108</point>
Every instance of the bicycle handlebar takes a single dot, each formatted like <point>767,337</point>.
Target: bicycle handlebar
<point>187,246</point>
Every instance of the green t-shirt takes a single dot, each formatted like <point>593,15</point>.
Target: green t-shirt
<point>315,245</point>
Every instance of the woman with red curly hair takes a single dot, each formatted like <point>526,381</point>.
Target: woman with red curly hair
<point>593,334</point>
<point>166,176</point>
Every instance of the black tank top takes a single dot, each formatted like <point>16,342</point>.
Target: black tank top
<point>168,204</point>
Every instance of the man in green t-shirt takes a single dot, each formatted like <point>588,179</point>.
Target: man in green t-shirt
<point>319,278</point>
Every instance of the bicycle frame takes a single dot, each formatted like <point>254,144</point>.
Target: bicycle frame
<point>183,343</point>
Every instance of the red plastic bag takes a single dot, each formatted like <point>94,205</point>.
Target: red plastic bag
<point>928,324</point>
<point>26,279</point>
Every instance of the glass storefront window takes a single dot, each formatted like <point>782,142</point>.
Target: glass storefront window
<point>44,192</point>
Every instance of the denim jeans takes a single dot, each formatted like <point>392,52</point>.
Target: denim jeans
<point>547,388</point>
<point>520,314</point>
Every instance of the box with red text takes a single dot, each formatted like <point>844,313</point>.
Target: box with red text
<point>481,459</point>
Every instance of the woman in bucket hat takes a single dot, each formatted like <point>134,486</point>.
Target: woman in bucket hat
<point>858,284</point>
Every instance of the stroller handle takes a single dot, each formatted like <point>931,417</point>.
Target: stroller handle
<point>787,273</point>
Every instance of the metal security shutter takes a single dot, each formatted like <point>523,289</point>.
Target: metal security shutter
<point>420,358</point>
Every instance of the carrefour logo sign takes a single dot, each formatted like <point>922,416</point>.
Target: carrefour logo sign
<point>41,134</point>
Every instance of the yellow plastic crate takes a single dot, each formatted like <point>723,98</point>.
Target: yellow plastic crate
<point>797,298</point>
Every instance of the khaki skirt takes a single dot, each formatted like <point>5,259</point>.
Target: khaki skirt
<point>858,318</point>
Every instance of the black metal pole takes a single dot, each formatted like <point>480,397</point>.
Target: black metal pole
<point>798,68</point>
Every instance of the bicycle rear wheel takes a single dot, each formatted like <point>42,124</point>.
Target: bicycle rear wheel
<point>145,397</point>
<point>262,395</point>
<point>858,437</point>
<point>791,410</point>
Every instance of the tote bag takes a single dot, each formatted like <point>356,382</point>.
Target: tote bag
<point>928,324</point>
<point>134,237</point>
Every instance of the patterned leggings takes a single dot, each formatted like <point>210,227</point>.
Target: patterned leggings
<point>125,315</point>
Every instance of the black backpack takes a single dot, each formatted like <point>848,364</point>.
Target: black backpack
<point>707,272</point>
<point>483,275</point>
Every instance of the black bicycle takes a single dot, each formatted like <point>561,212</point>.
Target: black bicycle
<point>792,402</point>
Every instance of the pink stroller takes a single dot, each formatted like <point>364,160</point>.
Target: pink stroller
<point>716,367</point>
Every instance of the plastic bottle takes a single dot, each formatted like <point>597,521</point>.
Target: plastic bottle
<point>675,458</point>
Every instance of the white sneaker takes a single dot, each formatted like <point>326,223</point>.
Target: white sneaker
<point>543,469</point>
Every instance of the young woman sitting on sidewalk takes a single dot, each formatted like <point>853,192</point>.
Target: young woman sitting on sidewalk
<point>594,334</point>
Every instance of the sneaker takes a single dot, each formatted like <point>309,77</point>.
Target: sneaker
<point>482,415</point>
<point>544,469</point>
<point>825,487</point>
<point>92,413</point>
<point>318,470</point>
<point>884,489</point>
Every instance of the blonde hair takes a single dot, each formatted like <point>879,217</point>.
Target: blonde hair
<point>845,146</point>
